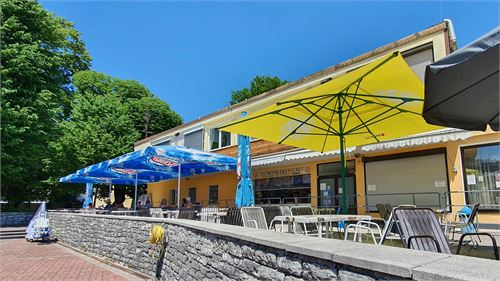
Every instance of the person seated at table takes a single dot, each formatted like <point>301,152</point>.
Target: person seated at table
<point>108,205</point>
<point>90,206</point>
<point>184,203</point>
<point>139,204</point>
<point>148,204</point>
<point>188,202</point>
<point>163,203</point>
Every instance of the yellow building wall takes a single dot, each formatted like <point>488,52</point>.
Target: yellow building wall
<point>226,181</point>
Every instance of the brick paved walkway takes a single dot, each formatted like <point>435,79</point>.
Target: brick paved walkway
<point>21,260</point>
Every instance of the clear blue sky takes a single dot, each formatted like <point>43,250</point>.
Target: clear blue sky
<point>192,54</point>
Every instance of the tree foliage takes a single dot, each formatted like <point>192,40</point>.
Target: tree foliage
<point>258,85</point>
<point>40,52</point>
<point>108,116</point>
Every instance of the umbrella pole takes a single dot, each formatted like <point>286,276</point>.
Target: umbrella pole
<point>342,160</point>
<point>109,190</point>
<point>135,193</point>
<point>179,187</point>
<point>342,172</point>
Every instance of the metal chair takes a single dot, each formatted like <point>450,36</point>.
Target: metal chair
<point>233,217</point>
<point>421,230</point>
<point>156,212</point>
<point>187,213</point>
<point>253,217</point>
<point>382,210</point>
<point>305,228</point>
<point>205,214</point>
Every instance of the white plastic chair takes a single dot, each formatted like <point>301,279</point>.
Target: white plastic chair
<point>253,217</point>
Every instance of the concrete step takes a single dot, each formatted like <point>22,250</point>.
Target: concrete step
<point>12,236</point>
<point>12,232</point>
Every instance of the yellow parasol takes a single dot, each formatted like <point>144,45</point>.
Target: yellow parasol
<point>379,101</point>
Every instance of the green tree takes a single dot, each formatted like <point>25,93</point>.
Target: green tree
<point>107,118</point>
<point>40,52</point>
<point>259,85</point>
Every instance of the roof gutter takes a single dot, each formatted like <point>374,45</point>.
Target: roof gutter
<point>451,35</point>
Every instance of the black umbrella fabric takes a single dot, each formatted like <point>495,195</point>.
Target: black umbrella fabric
<point>462,89</point>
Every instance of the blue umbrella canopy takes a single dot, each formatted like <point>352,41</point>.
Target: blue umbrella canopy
<point>75,178</point>
<point>127,176</point>
<point>166,159</point>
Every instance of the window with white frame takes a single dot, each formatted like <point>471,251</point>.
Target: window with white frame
<point>219,139</point>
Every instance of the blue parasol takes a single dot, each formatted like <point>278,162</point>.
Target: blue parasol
<point>244,192</point>
<point>174,161</point>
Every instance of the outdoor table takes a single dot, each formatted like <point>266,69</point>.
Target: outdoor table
<point>319,220</point>
<point>170,214</point>
<point>124,212</point>
<point>216,215</point>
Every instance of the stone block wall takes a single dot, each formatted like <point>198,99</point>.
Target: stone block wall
<point>207,251</point>
<point>15,218</point>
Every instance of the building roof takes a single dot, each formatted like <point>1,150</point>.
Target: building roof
<point>322,73</point>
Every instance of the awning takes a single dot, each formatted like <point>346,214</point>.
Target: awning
<point>438,136</point>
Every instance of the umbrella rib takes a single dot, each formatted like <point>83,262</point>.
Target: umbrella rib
<point>365,124</point>
<point>329,125</point>
<point>386,105</point>
<point>406,99</point>
<point>362,122</point>
<point>302,123</point>
<point>374,122</point>
<point>322,121</point>
<point>350,105</point>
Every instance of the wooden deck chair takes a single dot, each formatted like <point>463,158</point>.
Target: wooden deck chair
<point>253,217</point>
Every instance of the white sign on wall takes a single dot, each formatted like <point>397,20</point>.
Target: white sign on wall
<point>471,179</point>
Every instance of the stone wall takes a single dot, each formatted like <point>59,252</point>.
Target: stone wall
<point>15,218</point>
<point>206,251</point>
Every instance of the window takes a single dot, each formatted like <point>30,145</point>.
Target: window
<point>194,139</point>
<point>219,139</point>
<point>192,194</point>
<point>289,189</point>
<point>481,166</point>
<point>165,142</point>
<point>173,197</point>
<point>213,194</point>
<point>418,58</point>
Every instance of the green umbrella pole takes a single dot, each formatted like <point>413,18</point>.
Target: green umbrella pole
<point>342,160</point>
<point>342,172</point>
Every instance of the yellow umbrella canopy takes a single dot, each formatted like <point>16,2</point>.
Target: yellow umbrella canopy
<point>379,101</point>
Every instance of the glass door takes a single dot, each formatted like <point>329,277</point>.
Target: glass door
<point>327,191</point>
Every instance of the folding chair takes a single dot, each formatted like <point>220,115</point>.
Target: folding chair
<point>253,217</point>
